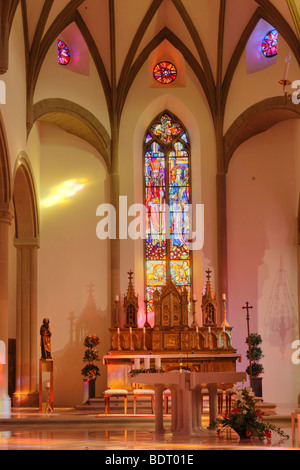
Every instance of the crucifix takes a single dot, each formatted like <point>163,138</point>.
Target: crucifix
<point>208,274</point>
<point>247,307</point>
<point>130,274</point>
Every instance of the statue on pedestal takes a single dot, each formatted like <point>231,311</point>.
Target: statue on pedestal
<point>46,334</point>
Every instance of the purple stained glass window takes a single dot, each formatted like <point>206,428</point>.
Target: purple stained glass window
<point>165,72</point>
<point>269,46</point>
<point>63,52</point>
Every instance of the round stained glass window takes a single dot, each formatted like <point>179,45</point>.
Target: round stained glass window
<point>269,46</point>
<point>63,53</point>
<point>165,72</point>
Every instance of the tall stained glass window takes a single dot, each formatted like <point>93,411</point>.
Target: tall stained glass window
<point>167,198</point>
<point>269,46</point>
<point>63,53</point>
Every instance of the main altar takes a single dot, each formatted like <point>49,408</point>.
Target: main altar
<point>171,343</point>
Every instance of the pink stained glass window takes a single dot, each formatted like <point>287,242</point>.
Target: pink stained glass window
<point>269,46</point>
<point>165,72</point>
<point>63,53</point>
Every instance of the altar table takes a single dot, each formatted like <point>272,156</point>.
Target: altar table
<point>185,387</point>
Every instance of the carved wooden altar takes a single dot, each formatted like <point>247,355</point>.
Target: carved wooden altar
<point>171,343</point>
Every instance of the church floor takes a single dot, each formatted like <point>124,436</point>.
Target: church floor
<point>68,429</point>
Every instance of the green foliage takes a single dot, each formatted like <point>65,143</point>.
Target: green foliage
<point>91,371</point>
<point>256,355</point>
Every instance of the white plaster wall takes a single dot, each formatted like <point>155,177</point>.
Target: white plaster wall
<point>262,204</point>
<point>71,257</point>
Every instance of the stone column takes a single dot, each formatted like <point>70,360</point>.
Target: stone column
<point>5,222</point>
<point>27,331</point>
<point>159,409</point>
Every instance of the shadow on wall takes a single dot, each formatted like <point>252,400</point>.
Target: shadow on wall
<point>68,381</point>
<point>281,318</point>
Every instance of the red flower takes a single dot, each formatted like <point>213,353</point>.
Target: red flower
<point>259,413</point>
<point>268,433</point>
<point>248,432</point>
<point>235,410</point>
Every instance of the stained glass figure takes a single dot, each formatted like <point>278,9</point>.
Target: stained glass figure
<point>269,46</point>
<point>165,72</point>
<point>64,54</point>
<point>166,130</point>
<point>167,198</point>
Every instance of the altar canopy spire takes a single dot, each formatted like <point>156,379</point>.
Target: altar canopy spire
<point>209,303</point>
<point>130,304</point>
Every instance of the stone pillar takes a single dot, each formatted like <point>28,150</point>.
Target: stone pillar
<point>222,241</point>
<point>27,331</point>
<point>159,409</point>
<point>5,222</point>
<point>115,245</point>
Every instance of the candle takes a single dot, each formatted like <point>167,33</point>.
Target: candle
<point>223,328</point>
<point>117,298</point>
<point>118,331</point>
<point>157,362</point>
<point>144,330</point>
<point>223,296</point>
<point>48,385</point>
<point>209,329</point>
<point>197,329</point>
<point>194,297</point>
<point>130,330</point>
<point>286,66</point>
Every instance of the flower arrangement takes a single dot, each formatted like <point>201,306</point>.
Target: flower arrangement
<point>90,371</point>
<point>152,370</point>
<point>245,419</point>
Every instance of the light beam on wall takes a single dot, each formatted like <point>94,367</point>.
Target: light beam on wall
<point>63,192</point>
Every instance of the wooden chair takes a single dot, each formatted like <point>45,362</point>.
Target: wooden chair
<point>116,393</point>
<point>296,417</point>
<point>143,393</point>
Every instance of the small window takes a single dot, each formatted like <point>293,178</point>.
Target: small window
<point>269,46</point>
<point>64,55</point>
<point>165,72</point>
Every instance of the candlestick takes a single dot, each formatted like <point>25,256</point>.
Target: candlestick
<point>286,66</point>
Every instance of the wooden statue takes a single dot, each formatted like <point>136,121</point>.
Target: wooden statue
<point>46,334</point>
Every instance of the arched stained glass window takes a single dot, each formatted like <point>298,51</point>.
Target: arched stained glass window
<point>63,53</point>
<point>167,198</point>
<point>269,46</point>
<point>164,72</point>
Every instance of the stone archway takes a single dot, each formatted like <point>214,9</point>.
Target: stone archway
<point>26,242</point>
<point>6,216</point>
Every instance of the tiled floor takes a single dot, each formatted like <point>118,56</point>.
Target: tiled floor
<point>71,430</point>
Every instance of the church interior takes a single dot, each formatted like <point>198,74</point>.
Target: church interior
<point>150,218</point>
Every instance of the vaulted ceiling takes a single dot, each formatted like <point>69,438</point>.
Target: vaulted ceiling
<point>211,35</point>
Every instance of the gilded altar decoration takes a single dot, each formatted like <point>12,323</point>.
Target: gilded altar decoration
<point>173,341</point>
